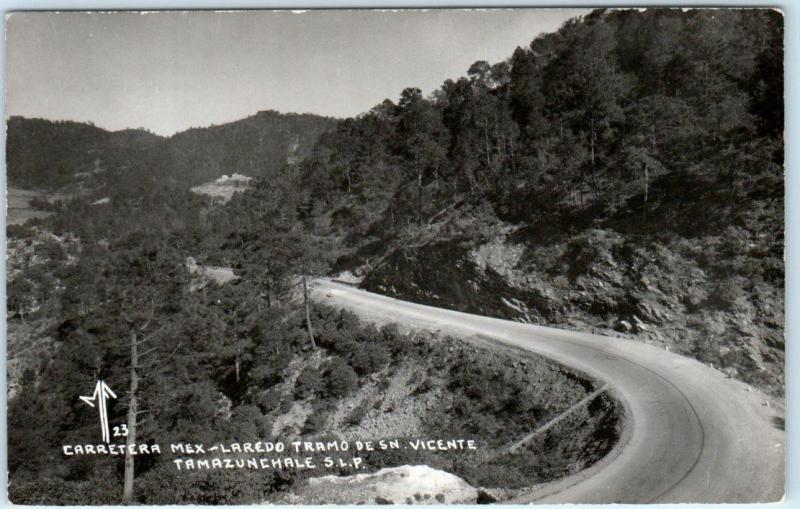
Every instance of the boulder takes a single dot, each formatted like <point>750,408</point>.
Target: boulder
<point>623,326</point>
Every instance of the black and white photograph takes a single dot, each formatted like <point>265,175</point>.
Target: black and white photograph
<point>395,256</point>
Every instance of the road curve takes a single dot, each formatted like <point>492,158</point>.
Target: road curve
<point>692,435</point>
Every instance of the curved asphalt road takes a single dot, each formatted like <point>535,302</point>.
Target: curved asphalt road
<point>692,435</point>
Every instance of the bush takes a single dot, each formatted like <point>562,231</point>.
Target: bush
<point>368,358</point>
<point>308,384</point>
<point>397,343</point>
<point>19,294</point>
<point>315,422</point>
<point>268,400</point>
<point>580,256</point>
<point>268,370</point>
<point>423,388</point>
<point>38,203</point>
<point>358,413</point>
<point>50,249</point>
<point>18,231</point>
<point>725,294</point>
<point>340,379</point>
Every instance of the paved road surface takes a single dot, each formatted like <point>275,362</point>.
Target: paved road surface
<point>692,434</point>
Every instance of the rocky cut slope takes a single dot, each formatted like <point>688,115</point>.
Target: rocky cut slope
<point>716,295</point>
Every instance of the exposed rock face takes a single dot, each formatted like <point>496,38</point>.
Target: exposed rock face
<point>417,484</point>
<point>449,274</point>
<point>716,298</point>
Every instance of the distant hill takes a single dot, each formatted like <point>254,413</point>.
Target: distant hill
<point>56,154</point>
<point>46,154</point>
<point>250,146</point>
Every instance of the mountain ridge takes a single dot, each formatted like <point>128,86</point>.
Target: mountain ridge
<point>48,154</point>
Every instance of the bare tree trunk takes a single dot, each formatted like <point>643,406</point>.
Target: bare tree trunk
<point>127,489</point>
<point>595,186</point>
<point>419,193</point>
<point>732,192</point>
<point>486,142</point>
<point>237,362</point>
<point>308,311</point>
<point>511,153</point>
<point>653,136</point>
<point>499,140</point>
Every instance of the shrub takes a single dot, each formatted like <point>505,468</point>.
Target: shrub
<point>38,203</point>
<point>358,413</point>
<point>269,369</point>
<point>50,249</point>
<point>340,379</point>
<point>308,384</point>
<point>423,388</point>
<point>734,242</point>
<point>580,256</point>
<point>725,294</point>
<point>390,332</point>
<point>315,422</point>
<point>18,231</point>
<point>19,292</point>
<point>397,343</point>
<point>368,358</point>
<point>268,400</point>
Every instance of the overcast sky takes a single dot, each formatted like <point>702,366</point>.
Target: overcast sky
<point>168,71</point>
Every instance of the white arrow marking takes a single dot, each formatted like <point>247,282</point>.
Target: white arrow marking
<point>101,393</point>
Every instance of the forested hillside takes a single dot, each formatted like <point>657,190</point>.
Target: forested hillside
<point>623,175</point>
<point>45,154</point>
<point>587,125</point>
<point>55,155</point>
<point>252,146</point>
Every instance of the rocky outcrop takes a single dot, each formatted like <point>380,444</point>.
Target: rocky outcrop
<point>407,484</point>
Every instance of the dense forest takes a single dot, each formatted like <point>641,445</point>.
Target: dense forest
<point>585,119</point>
<point>633,161</point>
